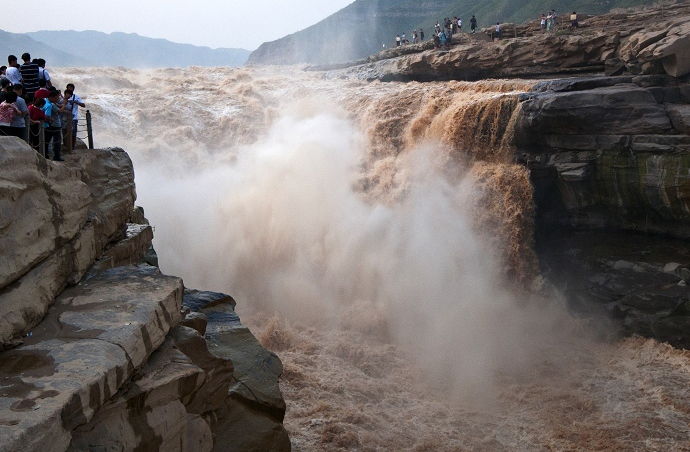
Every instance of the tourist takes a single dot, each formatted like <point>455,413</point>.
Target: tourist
<point>459,29</point>
<point>36,116</point>
<point>53,128</point>
<point>442,37</point>
<point>573,20</point>
<point>497,31</point>
<point>18,124</point>
<point>4,87</point>
<point>12,73</point>
<point>42,92</point>
<point>473,24</point>
<point>542,22</point>
<point>404,39</point>
<point>421,35</point>
<point>549,21</point>
<point>29,73</point>
<point>7,111</point>
<point>437,41</point>
<point>72,105</point>
<point>554,22</point>
<point>437,28</point>
<point>414,37</point>
<point>397,41</point>
<point>42,73</point>
<point>3,69</point>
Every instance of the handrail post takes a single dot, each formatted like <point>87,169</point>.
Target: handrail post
<point>89,130</point>
<point>70,132</point>
<point>27,130</point>
<point>42,139</point>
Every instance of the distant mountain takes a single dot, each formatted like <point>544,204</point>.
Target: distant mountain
<point>365,26</point>
<point>16,44</point>
<point>94,48</point>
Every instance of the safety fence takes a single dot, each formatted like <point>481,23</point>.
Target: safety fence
<point>34,134</point>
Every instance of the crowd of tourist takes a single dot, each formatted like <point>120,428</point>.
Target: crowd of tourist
<point>27,92</point>
<point>443,33</point>
<point>444,30</point>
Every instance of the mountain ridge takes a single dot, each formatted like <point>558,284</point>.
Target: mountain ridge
<point>98,49</point>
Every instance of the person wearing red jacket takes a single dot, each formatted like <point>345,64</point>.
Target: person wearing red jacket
<point>36,116</point>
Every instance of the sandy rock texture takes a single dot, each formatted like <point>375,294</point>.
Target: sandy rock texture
<point>646,42</point>
<point>57,218</point>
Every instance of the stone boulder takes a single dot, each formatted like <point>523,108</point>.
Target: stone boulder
<point>250,420</point>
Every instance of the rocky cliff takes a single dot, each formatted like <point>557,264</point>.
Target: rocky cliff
<point>101,350</point>
<point>361,28</point>
<point>646,42</point>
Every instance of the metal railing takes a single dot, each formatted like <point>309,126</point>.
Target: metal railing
<point>34,134</point>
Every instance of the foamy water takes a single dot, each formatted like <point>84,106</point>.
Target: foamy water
<point>378,236</point>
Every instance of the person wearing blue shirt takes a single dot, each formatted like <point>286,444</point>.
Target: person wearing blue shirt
<point>53,128</point>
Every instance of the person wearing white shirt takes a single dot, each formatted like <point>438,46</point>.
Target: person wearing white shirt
<point>12,73</point>
<point>73,102</point>
<point>42,73</point>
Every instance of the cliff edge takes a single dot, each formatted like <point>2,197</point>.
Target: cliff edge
<point>101,351</point>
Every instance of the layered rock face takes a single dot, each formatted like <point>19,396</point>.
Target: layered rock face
<point>616,149</point>
<point>101,350</point>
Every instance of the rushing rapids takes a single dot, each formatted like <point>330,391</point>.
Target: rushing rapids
<point>381,236</point>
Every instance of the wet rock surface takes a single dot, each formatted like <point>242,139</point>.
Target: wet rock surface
<point>640,282</point>
<point>251,418</point>
<point>608,152</point>
<point>95,336</point>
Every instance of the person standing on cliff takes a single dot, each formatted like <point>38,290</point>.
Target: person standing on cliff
<point>573,19</point>
<point>42,73</point>
<point>473,24</point>
<point>36,116</point>
<point>437,28</point>
<point>497,31</point>
<point>72,104</point>
<point>8,110</point>
<point>29,73</point>
<point>421,34</point>
<point>18,124</point>
<point>397,40</point>
<point>52,125</point>
<point>12,73</point>
<point>4,87</point>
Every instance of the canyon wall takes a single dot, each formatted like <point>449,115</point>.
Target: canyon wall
<point>101,350</point>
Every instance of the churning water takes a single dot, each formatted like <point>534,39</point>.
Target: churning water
<point>379,238</point>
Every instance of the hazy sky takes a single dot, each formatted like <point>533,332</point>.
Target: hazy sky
<point>212,23</point>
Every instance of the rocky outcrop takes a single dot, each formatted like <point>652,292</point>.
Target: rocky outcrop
<point>609,152</point>
<point>114,361</point>
<point>635,43</point>
<point>56,220</point>
<point>613,154</point>
<point>640,281</point>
